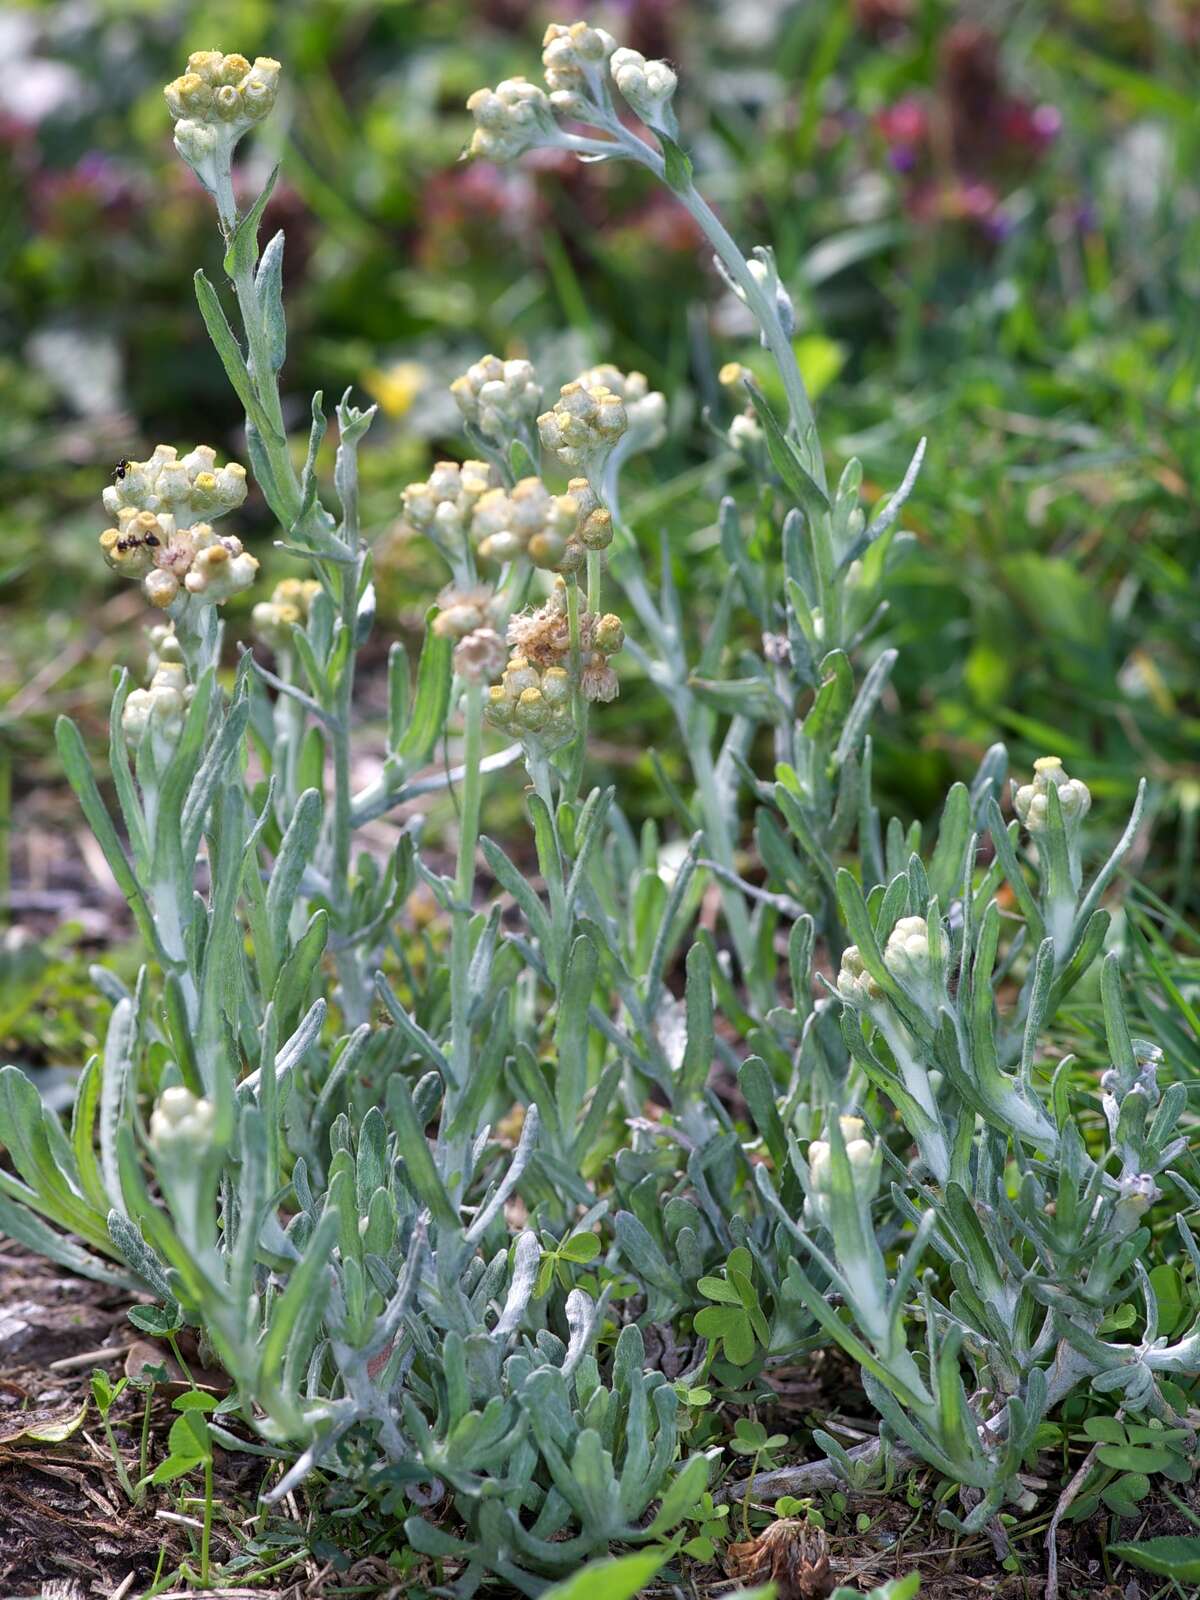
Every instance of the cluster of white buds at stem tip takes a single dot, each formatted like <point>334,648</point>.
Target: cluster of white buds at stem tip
<point>906,955</point>
<point>149,546</point>
<point>554,531</point>
<point>645,408</point>
<point>441,506</point>
<point>574,57</point>
<point>498,397</point>
<point>181,1120</point>
<point>213,104</point>
<point>854,983</point>
<point>186,487</point>
<point>531,700</point>
<point>273,620</point>
<point>866,1165</point>
<point>647,88</point>
<point>1031,800</point>
<point>159,710</point>
<point>513,117</point>
<point>584,424</point>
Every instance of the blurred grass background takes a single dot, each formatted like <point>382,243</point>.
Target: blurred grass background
<point>989,218</point>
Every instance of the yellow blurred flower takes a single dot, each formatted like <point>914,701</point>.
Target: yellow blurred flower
<point>396,387</point>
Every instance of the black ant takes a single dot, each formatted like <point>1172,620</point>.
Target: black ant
<point>121,468</point>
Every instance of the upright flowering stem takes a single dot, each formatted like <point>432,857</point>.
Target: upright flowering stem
<point>632,579</point>
<point>766,314</point>
<point>760,303</point>
<point>579,748</point>
<point>651,89</point>
<point>595,578</point>
<point>343,554</point>
<point>355,994</point>
<point>454,1152</point>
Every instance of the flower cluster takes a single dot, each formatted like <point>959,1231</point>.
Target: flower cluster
<point>574,56</point>
<point>585,422</point>
<point>169,559</point>
<point>213,104</point>
<point>159,710</point>
<point>854,983</point>
<point>289,605</point>
<point>479,656</point>
<point>580,62</point>
<point>442,505</point>
<point>647,87</point>
<point>543,637</point>
<point>1031,801</point>
<point>645,408</point>
<point>186,487</point>
<point>156,538</point>
<point>181,1119</point>
<point>532,700</point>
<point>471,616</point>
<point>908,959</point>
<point>906,955</point>
<point>498,397</point>
<point>554,531</point>
<point>513,117</point>
<point>866,1164</point>
<point>464,611</point>
<point>535,692</point>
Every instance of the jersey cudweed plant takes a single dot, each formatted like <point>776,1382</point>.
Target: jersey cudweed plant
<point>409,1193</point>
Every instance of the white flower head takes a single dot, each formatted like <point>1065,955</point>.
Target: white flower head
<point>574,56</point>
<point>441,506</point>
<point>1031,800</point>
<point>158,712</point>
<point>499,398</point>
<point>464,611</point>
<point>214,103</point>
<point>221,568</point>
<point>272,622</point>
<point>181,1120</point>
<point>866,1167</point>
<point>290,603</point>
<point>554,531</point>
<point>854,983</point>
<point>480,655</point>
<point>188,487</point>
<point>584,424</point>
<point>647,87</point>
<point>645,408</point>
<point>141,541</point>
<point>745,435</point>
<point>906,955</point>
<point>513,117</point>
